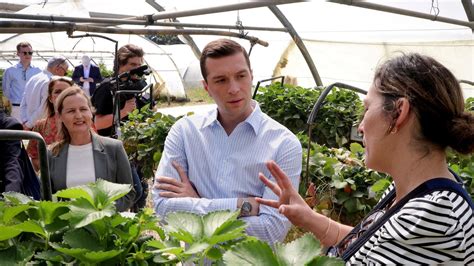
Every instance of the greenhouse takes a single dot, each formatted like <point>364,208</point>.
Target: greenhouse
<point>344,133</point>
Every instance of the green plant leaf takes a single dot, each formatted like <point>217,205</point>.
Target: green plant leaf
<point>49,211</point>
<point>7,232</point>
<point>13,211</point>
<point>85,255</point>
<point>113,191</point>
<point>74,193</point>
<point>81,238</point>
<point>83,213</point>
<point>299,252</point>
<point>215,222</point>
<point>253,252</point>
<point>17,198</point>
<point>186,225</point>
<point>195,248</point>
<point>214,254</point>
<point>50,255</point>
<point>31,227</point>
<point>380,185</point>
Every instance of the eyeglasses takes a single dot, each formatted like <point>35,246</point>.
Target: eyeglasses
<point>27,53</point>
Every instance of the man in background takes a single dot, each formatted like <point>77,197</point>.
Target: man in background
<point>36,91</point>
<point>16,77</point>
<point>87,75</point>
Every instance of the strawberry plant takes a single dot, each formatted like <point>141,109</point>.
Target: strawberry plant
<point>143,137</point>
<point>292,105</point>
<point>85,229</point>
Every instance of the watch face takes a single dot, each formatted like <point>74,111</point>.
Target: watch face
<point>246,208</point>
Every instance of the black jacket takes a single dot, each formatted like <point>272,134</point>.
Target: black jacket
<point>94,73</point>
<point>11,175</point>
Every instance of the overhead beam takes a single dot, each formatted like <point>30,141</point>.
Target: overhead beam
<point>404,12</point>
<point>217,9</point>
<point>125,21</point>
<point>6,26</point>
<point>469,8</point>
<point>296,38</point>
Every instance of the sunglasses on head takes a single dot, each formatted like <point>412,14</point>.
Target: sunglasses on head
<point>27,53</point>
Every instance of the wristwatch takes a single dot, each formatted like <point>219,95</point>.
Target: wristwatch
<point>245,209</point>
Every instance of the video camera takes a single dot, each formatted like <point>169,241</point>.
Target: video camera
<point>131,83</point>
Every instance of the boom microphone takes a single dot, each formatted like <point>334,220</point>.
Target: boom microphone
<point>139,71</point>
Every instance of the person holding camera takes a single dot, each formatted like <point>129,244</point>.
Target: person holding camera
<point>129,57</point>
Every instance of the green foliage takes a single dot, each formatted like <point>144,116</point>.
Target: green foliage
<point>104,72</point>
<point>302,251</point>
<point>143,137</point>
<point>469,104</point>
<point>291,107</point>
<point>463,165</point>
<point>87,230</point>
<point>341,185</point>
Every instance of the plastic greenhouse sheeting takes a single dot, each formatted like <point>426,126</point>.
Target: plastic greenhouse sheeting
<point>345,42</point>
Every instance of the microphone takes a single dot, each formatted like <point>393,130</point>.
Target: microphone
<point>139,71</point>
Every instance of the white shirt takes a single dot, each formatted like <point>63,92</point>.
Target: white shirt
<point>80,168</point>
<point>85,84</point>
<point>36,93</point>
<point>225,167</point>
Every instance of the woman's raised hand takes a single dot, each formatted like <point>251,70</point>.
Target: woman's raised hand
<point>290,203</point>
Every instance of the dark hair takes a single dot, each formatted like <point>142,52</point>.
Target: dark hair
<point>63,133</point>
<point>218,49</point>
<point>126,52</point>
<point>49,108</point>
<point>23,44</point>
<point>434,95</point>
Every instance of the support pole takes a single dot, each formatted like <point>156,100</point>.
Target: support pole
<point>403,12</point>
<point>218,9</point>
<point>71,27</point>
<point>108,22</point>
<point>188,38</point>
<point>296,38</point>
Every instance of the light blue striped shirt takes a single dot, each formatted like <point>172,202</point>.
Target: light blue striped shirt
<point>224,168</point>
<point>14,81</point>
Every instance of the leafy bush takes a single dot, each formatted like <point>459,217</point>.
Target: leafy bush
<point>143,137</point>
<point>87,230</point>
<point>291,107</point>
<point>104,72</point>
<point>339,185</point>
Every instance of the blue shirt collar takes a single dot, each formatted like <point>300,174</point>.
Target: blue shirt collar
<point>254,119</point>
<point>19,65</point>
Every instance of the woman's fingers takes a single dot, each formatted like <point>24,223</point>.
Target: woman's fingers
<point>274,187</point>
<point>280,176</point>
<point>271,203</point>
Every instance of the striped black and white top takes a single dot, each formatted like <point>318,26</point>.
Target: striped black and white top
<point>435,229</point>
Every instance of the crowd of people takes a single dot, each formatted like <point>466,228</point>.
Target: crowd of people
<point>237,158</point>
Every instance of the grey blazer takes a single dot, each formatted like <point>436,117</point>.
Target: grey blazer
<point>110,163</point>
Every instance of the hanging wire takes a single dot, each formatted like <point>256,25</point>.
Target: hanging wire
<point>434,8</point>
<point>239,24</point>
<point>241,28</point>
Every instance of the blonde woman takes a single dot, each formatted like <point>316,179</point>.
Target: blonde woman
<point>82,156</point>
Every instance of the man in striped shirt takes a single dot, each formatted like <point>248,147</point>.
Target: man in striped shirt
<point>212,162</point>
